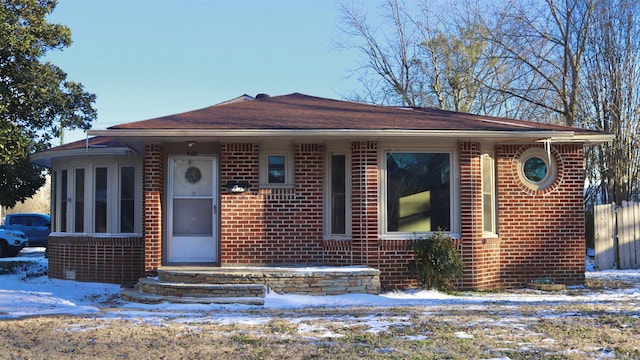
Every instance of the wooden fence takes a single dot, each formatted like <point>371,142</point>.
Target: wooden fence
<point>617,236</point>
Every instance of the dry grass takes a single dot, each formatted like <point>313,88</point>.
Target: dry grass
<point>454,332</point>
<point>568,330</point>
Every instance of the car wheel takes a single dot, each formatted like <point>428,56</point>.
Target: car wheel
<point>3,249</point>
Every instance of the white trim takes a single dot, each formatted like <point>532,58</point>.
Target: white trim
<point>214,240</point>
<point>263,166</point>
<point>550,162</point>
<point>555,136</point>
<point>490,154</point>
<point>113,165</point>
<point>45,158</point>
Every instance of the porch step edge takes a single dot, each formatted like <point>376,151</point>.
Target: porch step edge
<point>186,285</point>
<point>200,290</point>
<point>135,295</point>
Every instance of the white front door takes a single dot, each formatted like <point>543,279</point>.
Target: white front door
<point>192,207</point>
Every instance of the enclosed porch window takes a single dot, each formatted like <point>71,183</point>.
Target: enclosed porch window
<point>97,198</point>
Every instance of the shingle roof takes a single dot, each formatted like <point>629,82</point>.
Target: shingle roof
<point>298,111</point>
<point>92,143</point>
<point>98,145</point>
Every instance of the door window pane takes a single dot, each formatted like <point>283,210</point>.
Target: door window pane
<point>418,192</point>
<point>192,217</point>
<point>192,177</point>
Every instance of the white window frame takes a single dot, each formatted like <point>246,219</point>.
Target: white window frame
<point>113,166</point>
<point>549,161</point>
<point>488,156</point>
<point>328,235</point>
<point>288,163</point>
<point>454,196</point>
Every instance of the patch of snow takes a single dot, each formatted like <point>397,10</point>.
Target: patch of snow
<point>415,337</point>
<point>463,335</point>
<point>22,295</point>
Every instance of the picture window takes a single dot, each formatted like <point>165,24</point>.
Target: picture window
<point>418,192</point>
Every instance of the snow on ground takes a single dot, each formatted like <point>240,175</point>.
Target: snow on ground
<point>28,293</point>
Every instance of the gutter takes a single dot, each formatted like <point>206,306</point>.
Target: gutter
<point>43,158</point>
<point>509,136</point>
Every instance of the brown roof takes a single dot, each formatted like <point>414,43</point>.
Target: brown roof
<point>92,143</point>
<point>298,111</point>
<point>98,145</point>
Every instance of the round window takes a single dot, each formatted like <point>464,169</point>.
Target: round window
<point>193,175</point>
<point>537,169</point>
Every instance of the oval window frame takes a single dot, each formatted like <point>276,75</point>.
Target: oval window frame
<point>550,162</point>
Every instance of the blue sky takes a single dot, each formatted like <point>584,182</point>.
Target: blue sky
<point>145,59</point>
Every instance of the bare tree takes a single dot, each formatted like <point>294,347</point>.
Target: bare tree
<point>574,62</point>
<point>388,52</point>
<point>544,42</point>
<point>418,57</point>
<point>612,100</point>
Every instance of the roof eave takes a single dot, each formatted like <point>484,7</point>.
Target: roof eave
<point>553,136</point>
<point>43,158</point>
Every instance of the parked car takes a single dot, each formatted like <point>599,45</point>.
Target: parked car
<point>11,242</point>
<point>36,226</point>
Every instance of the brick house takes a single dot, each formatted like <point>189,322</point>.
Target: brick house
<point>302,180</point>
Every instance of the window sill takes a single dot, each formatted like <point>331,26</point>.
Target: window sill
<point>277,186</point>
<point>337,238</point>
<point>405,236</point>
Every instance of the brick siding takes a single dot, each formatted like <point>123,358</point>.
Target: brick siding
<point>117,260</point>
<point>542,232</point>
<point>153,188</point>
<point>271,225</point>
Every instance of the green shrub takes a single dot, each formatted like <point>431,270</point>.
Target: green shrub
<point>437,263</point>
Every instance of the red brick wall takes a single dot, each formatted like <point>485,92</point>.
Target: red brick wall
<point>96,259</point>
<point>480,256</point>
<point>271,225</point>
<point>394,258</point>
<point>153,188</point>
<point>364,190</point>
<point>542,232</point>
